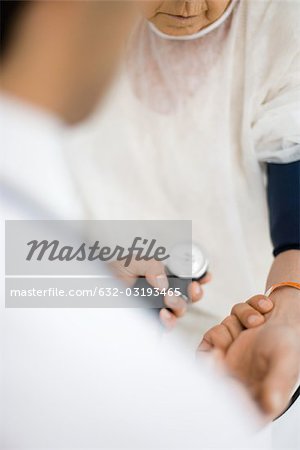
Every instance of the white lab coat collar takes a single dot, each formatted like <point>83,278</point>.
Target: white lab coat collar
<point>32,161</point>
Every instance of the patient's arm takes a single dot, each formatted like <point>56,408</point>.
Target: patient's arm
<point>265,358</point>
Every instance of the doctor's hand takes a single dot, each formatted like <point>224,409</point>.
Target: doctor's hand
<point>266,358</point>
<point>155,275</point>
<point>177,306</point>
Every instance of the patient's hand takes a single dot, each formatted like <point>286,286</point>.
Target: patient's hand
<point>154,273</point>
<point>243,316</point>
<point>267,360</point>
<point>266,357</point>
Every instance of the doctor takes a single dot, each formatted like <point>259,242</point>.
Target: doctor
<point>83,378</point>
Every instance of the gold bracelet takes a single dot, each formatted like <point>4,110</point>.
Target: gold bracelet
<point>283,284</point>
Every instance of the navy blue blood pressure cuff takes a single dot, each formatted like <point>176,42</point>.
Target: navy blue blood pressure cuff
<point>283,191</point>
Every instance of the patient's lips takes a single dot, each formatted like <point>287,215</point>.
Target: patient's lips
<point>180,16</point>
<point>184,15</point>
<point>180,20</point>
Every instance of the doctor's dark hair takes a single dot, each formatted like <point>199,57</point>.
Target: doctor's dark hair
<point>10,11</point>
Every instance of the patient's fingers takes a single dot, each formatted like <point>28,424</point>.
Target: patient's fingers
<point>233,325</point>
<point>243,315</point>
<point>251,313</point>
<point>217,337</point>
<point>247,315</point>
<point>223,335</point>
<point>261,303</point>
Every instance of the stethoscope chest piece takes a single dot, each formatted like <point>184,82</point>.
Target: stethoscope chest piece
<point>187,262</point>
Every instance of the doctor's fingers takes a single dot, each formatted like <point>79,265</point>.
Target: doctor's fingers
<point>155,274</point>
<point>251,313</point>
<point>195,290</point>
<point>167,318</point>
<point>176,307</point>
<point>177,304</point>
<point>206,279</point>
<point>153,271</point>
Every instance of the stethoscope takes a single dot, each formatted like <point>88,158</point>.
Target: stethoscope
<point>292,401</point>
<point>186,262</point>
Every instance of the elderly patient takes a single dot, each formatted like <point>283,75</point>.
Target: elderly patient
<point>207,108</point>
